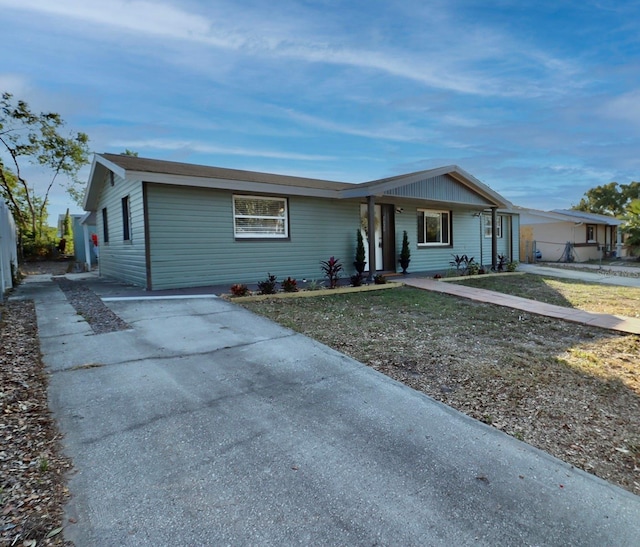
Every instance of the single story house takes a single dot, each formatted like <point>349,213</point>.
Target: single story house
<point>164,224</point>
<point>565,235</point>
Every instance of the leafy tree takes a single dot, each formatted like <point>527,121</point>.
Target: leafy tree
<point>609,199</point>
<point>66,224</point>
<point>632,223</point>
<point>128,152</point>
<point>36,139</point>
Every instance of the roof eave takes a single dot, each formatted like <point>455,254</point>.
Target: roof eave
<point>229,184</point>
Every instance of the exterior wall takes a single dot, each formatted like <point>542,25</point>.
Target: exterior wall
<point>468,238</point>
<point>123,260</point>
<point>551,239</point>
<point>191,239</point>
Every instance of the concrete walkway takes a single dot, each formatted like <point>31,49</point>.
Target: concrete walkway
<point>625,276</point>
<point>603,320</point>
<point>204,424</point>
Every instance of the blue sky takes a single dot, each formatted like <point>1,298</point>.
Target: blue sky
<point>539,100</point>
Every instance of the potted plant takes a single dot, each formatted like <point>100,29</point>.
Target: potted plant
<point>405,253</point>
<point>360,262</point>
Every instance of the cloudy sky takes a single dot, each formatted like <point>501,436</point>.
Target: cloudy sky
<point>539,100</point>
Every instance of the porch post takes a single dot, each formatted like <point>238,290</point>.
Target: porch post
<point>494,239</point>
<point>371,232</point>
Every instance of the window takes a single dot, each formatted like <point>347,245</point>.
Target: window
<point>434,227</point>
<point>261,217</point>
<point>105,226</point>
<point>488,224</point>
<point>126,219</point>
<point>591,233</point>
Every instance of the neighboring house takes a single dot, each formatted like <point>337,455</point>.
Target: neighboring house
<point>8,249</point>
<point>565,235</point>
<point>166,225</point>
<point>84,226</point>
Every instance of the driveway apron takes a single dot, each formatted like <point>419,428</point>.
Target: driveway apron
<point>204,424</point>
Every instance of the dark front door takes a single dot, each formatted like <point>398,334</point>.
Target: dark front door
<point>389,259</point>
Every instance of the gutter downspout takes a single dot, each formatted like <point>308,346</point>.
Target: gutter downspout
<point>371,229</point>
<point>619,243</point>
<point>494,239</point>
<point>87,248</point>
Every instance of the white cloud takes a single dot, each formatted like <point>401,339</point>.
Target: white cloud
<point>624,108</point>
<point>16,84</point>
<point>394,132</point>
<point>438,61</point>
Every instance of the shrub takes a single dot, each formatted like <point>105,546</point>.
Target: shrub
<point>239,290</point>
<point>332,269</point>
<point>314,285</point>
<point>268,286</point>
<point>379,279</point>
<point>289,285</point>
<point>356,280</point>
<point>502,260</point>
<point>473,268</point>
<point>512,266</point>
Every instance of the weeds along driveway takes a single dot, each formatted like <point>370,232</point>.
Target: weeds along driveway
<point>206,424</point>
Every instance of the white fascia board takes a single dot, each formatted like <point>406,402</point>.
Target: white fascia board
<point>235,185</point>
<point>96,165</point>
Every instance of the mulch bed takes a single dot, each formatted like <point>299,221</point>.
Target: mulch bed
<point>33,468</point>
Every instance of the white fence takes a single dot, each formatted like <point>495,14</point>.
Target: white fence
<point>8,248</point>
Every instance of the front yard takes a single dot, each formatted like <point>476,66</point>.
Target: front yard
<point>568,389</point>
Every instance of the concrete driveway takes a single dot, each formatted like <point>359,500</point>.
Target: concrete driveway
<point>207,425</point>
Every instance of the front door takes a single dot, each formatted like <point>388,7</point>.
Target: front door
<point>384,236</point>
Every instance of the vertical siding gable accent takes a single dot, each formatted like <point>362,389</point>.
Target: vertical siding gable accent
<point>441,188</point>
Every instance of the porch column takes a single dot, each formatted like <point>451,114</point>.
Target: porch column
<point>371,232</point>
<point>494,239</point>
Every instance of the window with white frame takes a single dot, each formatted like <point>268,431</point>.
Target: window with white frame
<point>488,225</point>
<point>434,227</point>
<point>260,217</point>
<point>591,233</point>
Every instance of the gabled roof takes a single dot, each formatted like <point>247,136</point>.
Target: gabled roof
<point>387,185</point>
<point>567,215</point>
<point>589,217</point>
<point>186,174</point>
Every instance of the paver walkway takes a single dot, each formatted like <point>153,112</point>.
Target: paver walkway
<point>602,320</point>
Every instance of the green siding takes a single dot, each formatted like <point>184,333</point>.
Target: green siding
<point>192,243</point>
<point>124,260</point>
<point>467,232</point>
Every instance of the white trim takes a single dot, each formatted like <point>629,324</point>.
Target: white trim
<point>434,212</point>
<point>284,218</point>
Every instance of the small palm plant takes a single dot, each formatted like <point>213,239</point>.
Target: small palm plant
<point>332,269</point>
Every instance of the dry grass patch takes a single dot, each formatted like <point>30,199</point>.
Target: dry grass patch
<point>613,299</point>
<point>571,390</point>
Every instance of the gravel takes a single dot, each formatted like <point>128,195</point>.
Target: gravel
<point>88,305</point>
